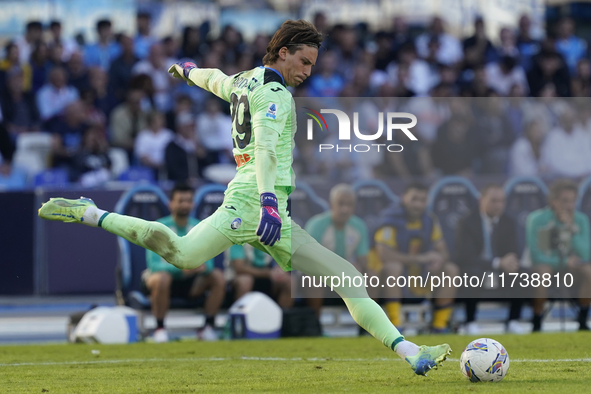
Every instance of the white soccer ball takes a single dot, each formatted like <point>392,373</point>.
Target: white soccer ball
<point>484,360</point>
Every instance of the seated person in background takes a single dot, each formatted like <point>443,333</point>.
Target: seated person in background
<point>151,143</point>
<point>91,166</point>
<point>67,134</point>
<point>255,271</point>
<point>341,232</point>
<point>409,241</point>
<point>55,95</point>
<point>486,240</point>
<point>163,280</point>
<point>127,120</point>
<point>182,152</point>
<point>558,241</point>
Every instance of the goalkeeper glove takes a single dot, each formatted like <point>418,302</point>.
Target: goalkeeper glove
<point>181,70</point>
<point>269,230</point>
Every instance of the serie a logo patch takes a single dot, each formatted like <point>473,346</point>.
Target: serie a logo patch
<point>272,111</point>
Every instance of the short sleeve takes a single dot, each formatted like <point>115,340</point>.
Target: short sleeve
<point>237,252</point>
<point>386,236</point>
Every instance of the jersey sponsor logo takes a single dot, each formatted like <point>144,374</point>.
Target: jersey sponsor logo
<point>276,90</point>
<point>241,159</point>
<point>272,111</point>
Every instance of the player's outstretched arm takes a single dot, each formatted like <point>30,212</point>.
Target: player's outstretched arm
<point>210,79</point>
<point>270,111</point>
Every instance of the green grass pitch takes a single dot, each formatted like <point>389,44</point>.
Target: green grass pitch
<point>542,363</point>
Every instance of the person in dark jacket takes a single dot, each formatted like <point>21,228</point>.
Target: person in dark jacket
<point>486,241</point>
<point>180,155</point>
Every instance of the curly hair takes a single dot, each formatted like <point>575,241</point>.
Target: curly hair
<point>293,35</point>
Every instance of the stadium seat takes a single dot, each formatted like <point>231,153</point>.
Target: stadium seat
<point>147,202</point>
<point>32,152</point>
<point>57,177</point>
<point>137,174</point>
<point>524,195</point>
<point>373,196</point>
<point>207,199</point>
<point>303,203</point>
<point>450,199</point>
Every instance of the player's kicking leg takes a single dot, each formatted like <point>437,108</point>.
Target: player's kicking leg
<point>314,260</point>
<point>202,243</point>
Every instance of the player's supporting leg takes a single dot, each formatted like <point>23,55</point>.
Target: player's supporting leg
<point>314,260</point>
<point>202,243</point>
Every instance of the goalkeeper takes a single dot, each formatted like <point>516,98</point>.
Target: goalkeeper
<point>254,210</point>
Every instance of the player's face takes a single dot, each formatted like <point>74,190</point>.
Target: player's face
<point>298,66</point>
<point>415,202</point>
<point>181,204</point>
<point>342,208</point>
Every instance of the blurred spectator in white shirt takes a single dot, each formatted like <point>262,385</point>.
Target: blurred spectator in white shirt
<point>566,151</point>
<point>449,51</point>
<point>419,79</point>
<point>151,142</point>
<point>524,158</point>
<point>55,95</point>
<point>503,75</point>
<point>214,132</point>
<point>156,66</point>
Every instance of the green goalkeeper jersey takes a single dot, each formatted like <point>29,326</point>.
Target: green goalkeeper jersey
<point>263,124</point>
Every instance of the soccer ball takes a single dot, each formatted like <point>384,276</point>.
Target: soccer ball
<point>484,360</point>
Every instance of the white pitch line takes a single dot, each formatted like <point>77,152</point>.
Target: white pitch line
<point>143,360</point>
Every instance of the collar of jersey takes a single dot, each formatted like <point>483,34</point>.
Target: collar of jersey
<point>278,73</point>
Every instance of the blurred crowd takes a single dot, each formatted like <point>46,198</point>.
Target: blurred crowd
<point>99,108</point>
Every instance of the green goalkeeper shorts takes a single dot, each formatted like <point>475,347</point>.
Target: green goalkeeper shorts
<point>238,218</point>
